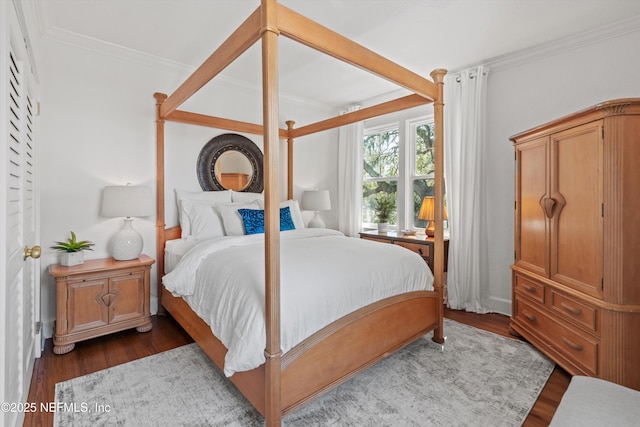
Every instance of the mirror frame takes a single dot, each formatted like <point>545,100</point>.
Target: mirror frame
<point>221,144</point>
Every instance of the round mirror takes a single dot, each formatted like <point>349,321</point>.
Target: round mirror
<point>233,170</point>
<point>230,162</point>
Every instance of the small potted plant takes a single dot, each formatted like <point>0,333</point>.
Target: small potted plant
<point>71,251</point>
<point>385,208</point>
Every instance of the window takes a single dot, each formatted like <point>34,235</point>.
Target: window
<point>422,138</point>
<point>381,166</point>
<point>398,171</point>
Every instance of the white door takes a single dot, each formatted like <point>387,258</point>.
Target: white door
<point>20,288</point>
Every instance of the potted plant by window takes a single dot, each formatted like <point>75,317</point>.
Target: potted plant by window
<point>385,207</point>
<point>71,251</point>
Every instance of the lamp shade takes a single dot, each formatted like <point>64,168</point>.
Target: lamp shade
<point>318,200</point>
<point>428,210</point>
<point>127,201</point>
<point>428,213</point>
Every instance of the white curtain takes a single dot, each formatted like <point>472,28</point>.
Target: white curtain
<point>350,177</point>
<point>465,170</point>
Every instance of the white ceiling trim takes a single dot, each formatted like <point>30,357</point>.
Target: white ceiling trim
<point>566,44</point>
<point>536,53</point>
<point>111,49</point>
<point>101,47</point>
<point>50,32</point>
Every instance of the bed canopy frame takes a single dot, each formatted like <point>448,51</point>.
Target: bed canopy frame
<point>265,24</point>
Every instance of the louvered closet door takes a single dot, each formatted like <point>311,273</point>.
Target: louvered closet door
<point>19,296</point>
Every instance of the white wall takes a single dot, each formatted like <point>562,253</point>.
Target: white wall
<point>525,95</point>
<point>98,128</point>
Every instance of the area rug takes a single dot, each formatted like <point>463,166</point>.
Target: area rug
<point>480,379</point>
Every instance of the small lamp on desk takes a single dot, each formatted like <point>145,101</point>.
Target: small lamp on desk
<point>126,201</point>
<point>318,200</point>
<point>428,213</point>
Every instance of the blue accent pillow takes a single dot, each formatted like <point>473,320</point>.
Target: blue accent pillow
<point>253,220</point>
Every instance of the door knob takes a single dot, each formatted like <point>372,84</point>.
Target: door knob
<point>34,252</point>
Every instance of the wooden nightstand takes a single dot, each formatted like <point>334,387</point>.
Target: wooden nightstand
<point>99,297</point>
<point>420,243</point>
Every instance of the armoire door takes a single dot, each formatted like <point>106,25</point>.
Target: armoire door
<point>532,233</point>
<point>20,286</point>
<point>578,213</point>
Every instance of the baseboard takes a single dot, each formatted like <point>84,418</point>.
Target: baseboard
<point>47,329</point>
<point>501,305</point>
<point>153,306</point>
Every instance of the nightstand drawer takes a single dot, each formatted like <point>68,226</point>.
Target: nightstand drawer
<point>422,250</point>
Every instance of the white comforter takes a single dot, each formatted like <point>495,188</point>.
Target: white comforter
<point>324,276</point>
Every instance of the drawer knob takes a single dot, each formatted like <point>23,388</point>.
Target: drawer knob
<point>572,310</point>
<point>531,317</point>
<point>530,289</point>
<point>576,347</point>
<point>420,251</point>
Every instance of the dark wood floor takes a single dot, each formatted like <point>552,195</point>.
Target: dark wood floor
<point>105,352</point>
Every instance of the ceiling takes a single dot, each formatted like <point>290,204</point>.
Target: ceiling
<point>421,35</point>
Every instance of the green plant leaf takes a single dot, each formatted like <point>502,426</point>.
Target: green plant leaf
<point>73,245</point>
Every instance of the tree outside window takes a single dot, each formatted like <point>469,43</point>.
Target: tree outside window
<point>424,167</point>
<point>380,174</point>
<point>383,170</point>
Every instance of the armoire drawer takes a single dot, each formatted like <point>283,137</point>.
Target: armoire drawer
<point>581,349</point>
<point>575,310</point>
<point>530,288</point>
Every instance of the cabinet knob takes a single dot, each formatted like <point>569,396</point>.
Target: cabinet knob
<point>34,252</point>
<point>547,205</point>
<point>570,309</point>
<point>531,317</point>
<point>576,347</point>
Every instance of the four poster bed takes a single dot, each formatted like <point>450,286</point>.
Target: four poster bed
<point>359,338</point>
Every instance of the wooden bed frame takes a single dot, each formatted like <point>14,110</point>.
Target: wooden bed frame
<point>360,339</point>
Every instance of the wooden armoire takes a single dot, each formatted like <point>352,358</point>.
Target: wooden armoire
<point>576,275</point>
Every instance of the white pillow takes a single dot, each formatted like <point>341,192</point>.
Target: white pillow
<point>203,196</point>
<point>296,215</point>
<point>204,219</point>
<point>231,219</point>
<point>243,197</point>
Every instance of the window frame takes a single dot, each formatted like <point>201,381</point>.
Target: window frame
<point>411,125</point>
<point>394,125</point>
<point>407,153</point>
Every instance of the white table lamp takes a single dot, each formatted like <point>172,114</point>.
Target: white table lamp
<point>317,200</point>
<point>126,201</point>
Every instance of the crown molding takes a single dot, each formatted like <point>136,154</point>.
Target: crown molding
<point>514,59</point>
<point>566,44</point>
<point>101,47</point>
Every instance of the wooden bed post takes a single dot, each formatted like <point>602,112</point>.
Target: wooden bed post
<point>273,352</point>
<point>286,382</point>
<point>160,223</point>
<point>438,112</point>
<point>290,124</point>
